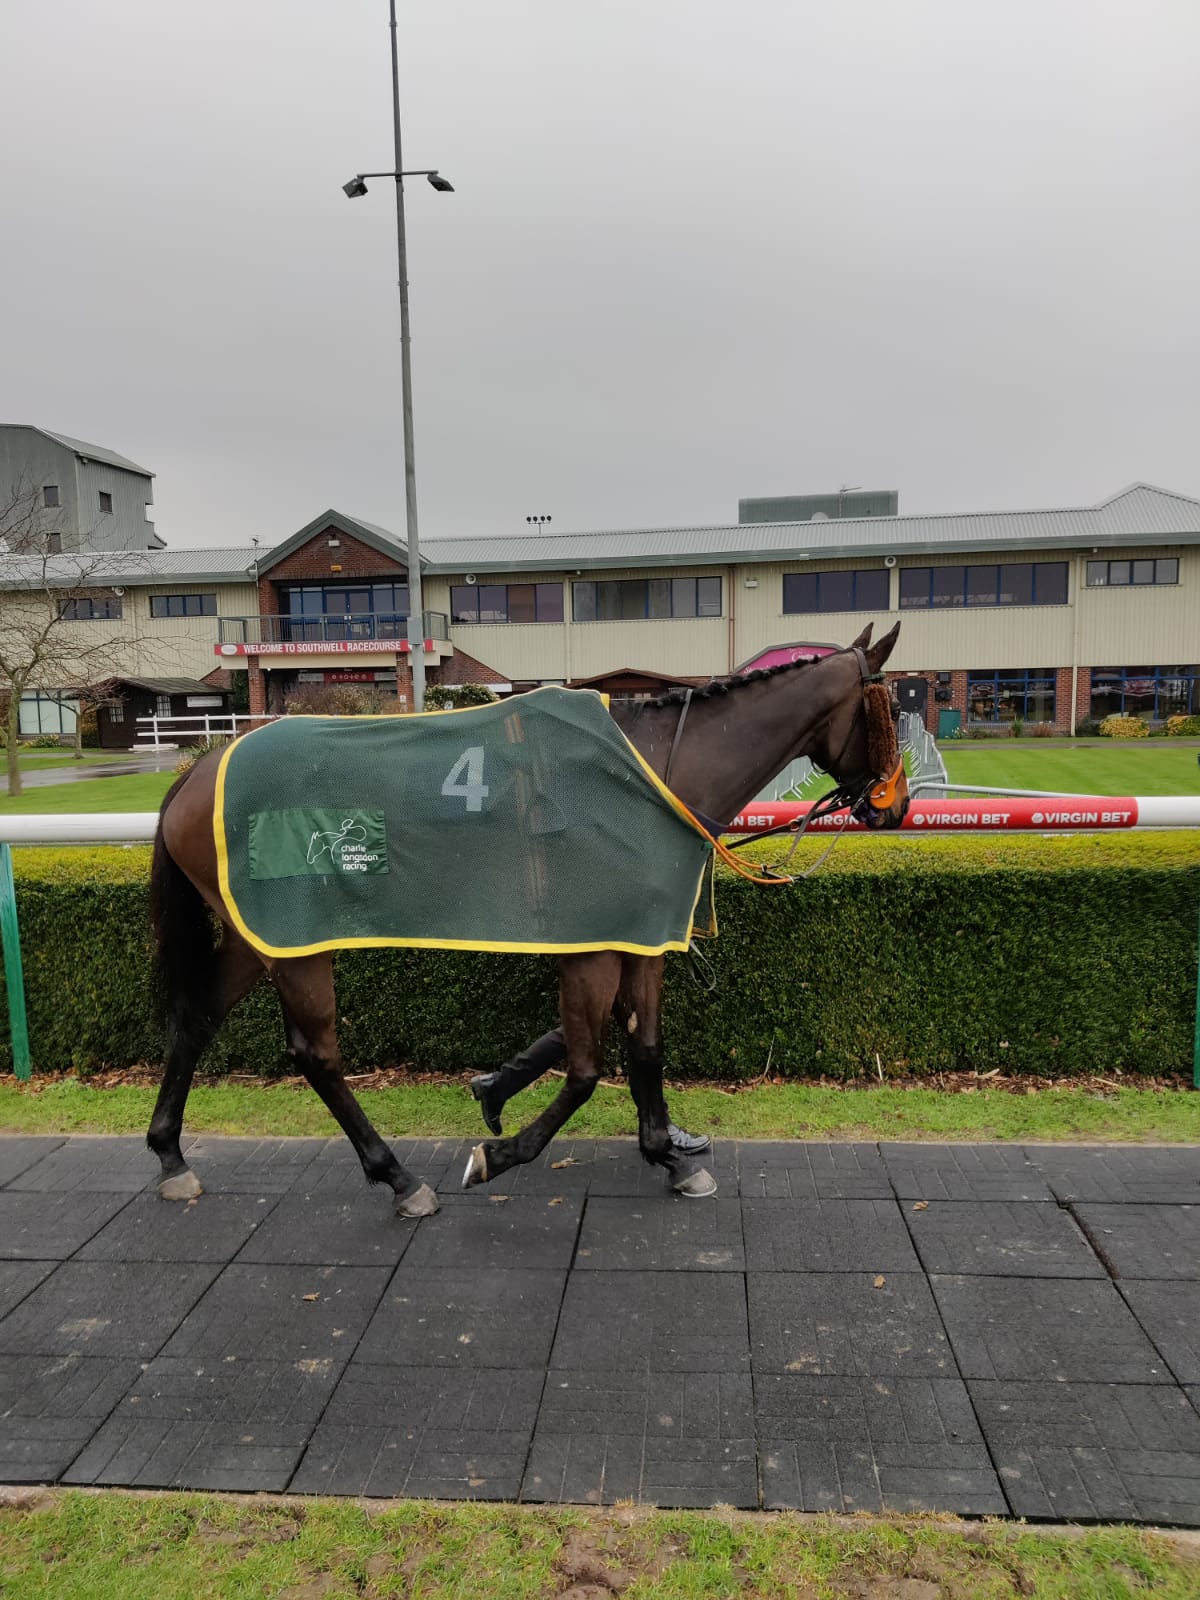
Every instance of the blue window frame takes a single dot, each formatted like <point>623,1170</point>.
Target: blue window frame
<point>636,599</point>
<point>1012,694</point>
<point>865,589</point>
<point>1006,583</point>
<point>365,610</point>
<point>1153,693</point>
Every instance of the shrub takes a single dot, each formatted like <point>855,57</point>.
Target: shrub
<point>342,700</point>
<point>1042,730</point>
<point>454,696</point>
<point>1183,727</point>
<point>1087,728</point>
<point>189,757</point>
<point>1044,956</point>
<point>1018,727</point>
<point>1116,727</point>
<point>45,741</point>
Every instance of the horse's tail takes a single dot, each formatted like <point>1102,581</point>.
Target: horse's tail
<point>185,952</point>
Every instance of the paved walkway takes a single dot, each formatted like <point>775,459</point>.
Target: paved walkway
<point>80,771</point>
<point>978,1329</point>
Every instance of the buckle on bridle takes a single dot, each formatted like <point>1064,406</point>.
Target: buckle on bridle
<point>882,795</point>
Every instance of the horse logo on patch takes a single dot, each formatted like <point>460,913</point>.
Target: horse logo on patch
<point>351,832</point>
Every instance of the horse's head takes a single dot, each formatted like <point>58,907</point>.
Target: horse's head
<point>859,744</point>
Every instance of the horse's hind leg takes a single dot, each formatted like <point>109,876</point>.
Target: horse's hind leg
<point>587,989</point>
<point>237,970</point>
<point>638,1012</point>
<point>305,987</point>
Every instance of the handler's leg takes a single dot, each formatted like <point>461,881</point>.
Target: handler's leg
<point>638,1011</point>
<point>493,1089</point>
<point>238,969</point>
<point>305,986</point>
<point>587,989</point>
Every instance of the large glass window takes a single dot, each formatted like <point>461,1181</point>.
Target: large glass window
<point>1116,574</point>
<point>183,605</point>
<point>1152,693</point>
<point>506,602</point>
<point>1011,694</point>
<point>92,608</point>
<point>634,599</point>
<point>43,713</point>
<point>1013,583</point>
<point>861,590</point>
<point>364,610</point>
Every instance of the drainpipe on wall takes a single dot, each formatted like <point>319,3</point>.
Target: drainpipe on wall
<point>1079,570</point>
<point>568,607</point>
<point>732,646</point>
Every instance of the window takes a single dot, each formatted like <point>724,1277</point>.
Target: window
<point>162,705</point>
<point>1014,583</point>
<point>43,713</point>
<point>344,611</point>
<point>506,602</point>
<point>50,496</point>
<point>92,608</point>
<point>1152,693</point>
<point>865,590</point>
<point>183,605</point>
<point>116,711</point>
<point>1012,695</point>
<point>635,599</point>
<point>105,500</point>
<point>1116,574</point>
<point>54,544</point>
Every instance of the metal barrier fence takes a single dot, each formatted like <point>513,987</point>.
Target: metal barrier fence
<point>1057,814</point>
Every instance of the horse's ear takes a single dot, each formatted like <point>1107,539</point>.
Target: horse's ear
<point>878,653</point>
<point>863,639</point>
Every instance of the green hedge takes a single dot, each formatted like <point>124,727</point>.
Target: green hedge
<point>1041,956</point>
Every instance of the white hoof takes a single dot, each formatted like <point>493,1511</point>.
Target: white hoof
<point>421,1202</point>
<point>183,1186</point>
<point>476,1168</point>
<point>699,1186</point>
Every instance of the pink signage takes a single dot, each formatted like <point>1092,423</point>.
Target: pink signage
<point>782,655</point>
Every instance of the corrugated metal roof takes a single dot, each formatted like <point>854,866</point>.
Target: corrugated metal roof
<point>128,567</point>
<point>170,685</point>
<point>95,452</point>
<point>1140,514</point>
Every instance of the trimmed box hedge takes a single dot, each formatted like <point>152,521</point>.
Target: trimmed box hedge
<point>1047,956</point>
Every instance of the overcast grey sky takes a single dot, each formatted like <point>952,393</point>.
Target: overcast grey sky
<point>697,251</point>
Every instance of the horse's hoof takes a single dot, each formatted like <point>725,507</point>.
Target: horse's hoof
<point>422,1202</point>
<point>183,1186</point>
<point>698,1187</point>
<point>476,1168</point>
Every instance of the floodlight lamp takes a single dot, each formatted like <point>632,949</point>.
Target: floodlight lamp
<point>442,185</point>
<point>354,188</point>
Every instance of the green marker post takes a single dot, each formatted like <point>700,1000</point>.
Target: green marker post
<point>13,977</point>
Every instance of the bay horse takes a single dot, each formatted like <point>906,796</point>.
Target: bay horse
<point>716,747</point>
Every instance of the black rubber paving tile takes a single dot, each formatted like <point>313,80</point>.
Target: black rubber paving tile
<point>423,1431</point>
<point>1092,1450</point>
<point>1163,1175</point>
<point>1169,1312</point>
<point>289,1313</point>
<point>522,1231</point>
<point>1001,1239</point>
<point>790,1171</point>
<point>628,1177</point>
<point>103,1164</point>
<point>666,1233</point>
<point>963,1172</point>
<point>19,1152</point>
<point>1075,1330</point>
<point>256,1166</point>
<point>19,1278</point>
<point>51,1227</point>
<point>826,1236</point>
<point>840,1323</point>
<point>872,1444</point>
<point>331,1230</point>
<point>49,1408</point>
<point>465,1317</point>
<point>212,1228</point>
<point>220,1425</point>
<point>1145,1241</point>
<point>565,1166</point>
<point>652,1322</point>
<point>105,1308</point>
<point>337,1170</point>
<point>661,1438</point>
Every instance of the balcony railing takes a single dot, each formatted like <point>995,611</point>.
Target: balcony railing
<point>312,630</point>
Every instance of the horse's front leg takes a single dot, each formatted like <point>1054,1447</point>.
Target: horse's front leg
<point>587,989</point>
<point>638,1011</point>
<point>305,988</point>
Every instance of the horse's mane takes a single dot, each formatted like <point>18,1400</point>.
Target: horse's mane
<point>734,680</point>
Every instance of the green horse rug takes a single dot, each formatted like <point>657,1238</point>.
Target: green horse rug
<point>529,825</point>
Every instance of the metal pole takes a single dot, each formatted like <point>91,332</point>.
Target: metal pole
<point>416,613</point>
<point>1196,1040</point>
<point>13,977</point>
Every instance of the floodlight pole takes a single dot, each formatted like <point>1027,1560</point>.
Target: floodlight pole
<point>416,606</point>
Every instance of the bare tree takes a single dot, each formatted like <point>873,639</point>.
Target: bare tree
<point>62,628</point>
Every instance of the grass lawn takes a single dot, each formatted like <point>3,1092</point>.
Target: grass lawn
<point>113,1546</point>
<point>142,791</point>
<point>1136,767</point>
<point>768,1111</point>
